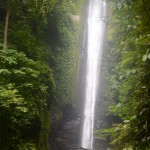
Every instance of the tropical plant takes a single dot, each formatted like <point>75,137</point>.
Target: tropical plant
<point>127,75</point>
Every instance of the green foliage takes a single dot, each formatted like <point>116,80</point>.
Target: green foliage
<point>23,96</point>
<point>127,75</point>
<point>42,39</point>
<point>102,133</point>
<point>65,40</point>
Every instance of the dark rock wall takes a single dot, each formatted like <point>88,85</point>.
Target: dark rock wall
<point>65,134</point>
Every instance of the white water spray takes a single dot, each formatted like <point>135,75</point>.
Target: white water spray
<point>94,39</point>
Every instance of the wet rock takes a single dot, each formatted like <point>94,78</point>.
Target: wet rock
<point>66,135</point>
<point>69,113</point>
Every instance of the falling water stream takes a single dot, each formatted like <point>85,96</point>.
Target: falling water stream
<point>93,45</point>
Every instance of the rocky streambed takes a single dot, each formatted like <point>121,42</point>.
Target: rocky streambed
<point>65,132</point>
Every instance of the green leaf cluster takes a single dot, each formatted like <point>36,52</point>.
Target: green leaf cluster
<point>24,89</point>
<point>37,70</point>
<point>127,70</point>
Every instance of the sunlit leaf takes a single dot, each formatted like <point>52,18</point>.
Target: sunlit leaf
<point>148,56</point>
<point>144,58</point>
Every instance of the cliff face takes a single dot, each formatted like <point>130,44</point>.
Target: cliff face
<point>66,133</point>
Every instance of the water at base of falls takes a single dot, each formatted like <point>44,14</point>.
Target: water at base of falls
<point>93,45</point>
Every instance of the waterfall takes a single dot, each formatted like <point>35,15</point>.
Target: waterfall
<point>91,58</point>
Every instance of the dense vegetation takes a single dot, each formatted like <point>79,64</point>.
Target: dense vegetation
<point>38,47</point>
<point>37,55</point>
<point>127,75</point>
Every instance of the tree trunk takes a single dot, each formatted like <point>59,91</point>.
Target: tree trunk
<point>6,29</point>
